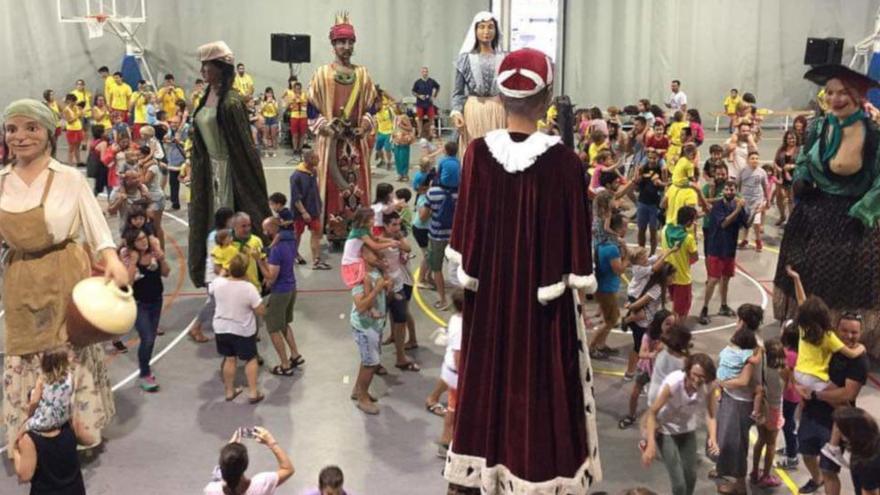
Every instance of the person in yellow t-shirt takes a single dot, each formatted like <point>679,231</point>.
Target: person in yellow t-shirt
<point>678,235</point>
<point>297,102</point>
<point>247,243</point>
<point>120,96</point>
<point>682,190</point>
<point>243,82</point>
<point>196,96</point>
<point>223,252</point>
<point>107,83</point>
<point>269,111</point>
<point>675,134</point>
<point>73,112</point>
<point>101,114</point>
<point>169,95</point>
<point>384,128</point>
<point>730,102</point>
<point>52,103</point>
<point>139,101</point>
<point>83,95</point>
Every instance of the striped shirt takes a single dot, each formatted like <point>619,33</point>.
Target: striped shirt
<point>441,220</point>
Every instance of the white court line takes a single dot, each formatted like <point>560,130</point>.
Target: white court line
<point>161,353</point>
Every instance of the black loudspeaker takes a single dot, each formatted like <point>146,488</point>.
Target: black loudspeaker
<point>823,51</point>
<point>291,48</point>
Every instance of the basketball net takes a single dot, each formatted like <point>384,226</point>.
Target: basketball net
<point>95,24</point>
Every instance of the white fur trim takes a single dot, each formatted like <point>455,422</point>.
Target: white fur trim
<point>516,157</point>
<point>548,293</point>
<point>468,282</point>
<point>585,282</point>
<point>453,255</point>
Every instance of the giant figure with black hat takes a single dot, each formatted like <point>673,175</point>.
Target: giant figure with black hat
<point>833,238</point>
<point>525,420</point>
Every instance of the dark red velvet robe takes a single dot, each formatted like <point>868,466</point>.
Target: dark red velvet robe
<point>526,416</point>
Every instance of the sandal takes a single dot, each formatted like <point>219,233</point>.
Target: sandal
<point>372,399</point>
<point>626,422</point>
<point>436,409</point>
<point>320,265</point>
<point>409,347</point>
<point>235,393</point>
<point>300,260</point>
<point>198,339</point>
<point>281,370</point>
<point>440,306</point>
<point>256,400</point>
<point>408,366</point>
<point>297,362</point>
<point>381,371</point>
<point>426,286</point>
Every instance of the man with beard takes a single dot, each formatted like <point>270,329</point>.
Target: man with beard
<point>342,101</point>
<point>243,82</point>
<point>725,219</point>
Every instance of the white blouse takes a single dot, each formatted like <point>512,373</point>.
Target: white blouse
<point>70,207</point>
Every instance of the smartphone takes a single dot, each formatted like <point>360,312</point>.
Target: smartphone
<point>245,432</point>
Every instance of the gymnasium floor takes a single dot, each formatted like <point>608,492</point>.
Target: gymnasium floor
<point>168,442</point>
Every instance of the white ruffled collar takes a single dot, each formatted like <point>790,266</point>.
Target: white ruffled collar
<point>517,156</point>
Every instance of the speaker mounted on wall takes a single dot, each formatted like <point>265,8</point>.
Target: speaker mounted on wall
<point>291,48</point>
<point>823,51</point>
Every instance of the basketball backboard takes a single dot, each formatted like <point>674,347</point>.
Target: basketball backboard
<point>127,12</point>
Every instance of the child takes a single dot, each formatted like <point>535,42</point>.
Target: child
<point>603,207</point>
<point>401,203</point>
<point>680,234</point>
<point>449,168</point>
<point>657,139</point>
<point>360,250</point>
<point>598,142</point>
<point>223,251</point>
<point>737,353</point>
<point>449,371</point>
<point>755,189</point>
<point>382,205</point>
<point>675,136</point>
<point>401,141</point>
<point>136,218</point>
<point>602,163</point>
<point>421,225</point>
<point>773,420</point>
<point>790,397</point>
<point>330,481</point>
<point>50,402</point>
<point>730,103</point>
<point>278,205</point>
<point>269,111</point>
<point>745,349</point>
<point>73,113</point>
<point>649,347</point>
<point>644,295</point>
<point>716,157</point>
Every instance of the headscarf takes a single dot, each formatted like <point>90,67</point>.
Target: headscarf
<point>470,37</point>
<point>33,109</point>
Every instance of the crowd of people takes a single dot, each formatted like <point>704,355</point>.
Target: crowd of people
<point>642,160</point>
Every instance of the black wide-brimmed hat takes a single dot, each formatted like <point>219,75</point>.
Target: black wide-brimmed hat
<point>823,73</point>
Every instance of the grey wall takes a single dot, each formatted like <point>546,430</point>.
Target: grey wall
<point>620,50</point>
<point>395,38</point>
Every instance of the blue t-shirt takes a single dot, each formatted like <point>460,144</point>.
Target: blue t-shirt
<point>721,241</point>
<point>608,281</point>
<point>283,255</point>
<point>450,171</point>
<point>425,87</point>
<point>417,220</point>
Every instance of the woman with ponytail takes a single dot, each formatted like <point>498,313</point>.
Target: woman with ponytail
<point>229,477</point>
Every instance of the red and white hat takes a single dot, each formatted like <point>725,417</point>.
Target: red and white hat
<point>524,72</point>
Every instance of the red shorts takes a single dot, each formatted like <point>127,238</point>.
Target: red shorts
<point>720,267</point>
<point>299,126</point>
<point>299,225</point>
<point>421,112</point>
<point>682,297</point>
<point>74,137</point>
<point>452,396</point>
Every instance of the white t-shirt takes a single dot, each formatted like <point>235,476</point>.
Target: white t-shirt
<point>379,210</point>
<point>664,364</point>
<point>261,484</point>
<point>449,373</point>
<point>236,301</point>
<point>681,412</point>
<point>677,100</point>
<point>351,253</point>
<point>739,159</point>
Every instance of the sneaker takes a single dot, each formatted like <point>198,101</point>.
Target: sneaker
<point>628,377</point>
<point>148,384</point>
<point>610,351</point>
<point>704,316</point>
<point>834,454</point>
<point>598,354</point>
<point>769,481</point>
<point>787,463</point>
<point>726,311</point>
<point>810,486</point>
<point>743,245</point>
<point>119,346</point>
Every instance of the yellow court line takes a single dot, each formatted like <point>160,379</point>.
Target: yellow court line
<point>421,302</point>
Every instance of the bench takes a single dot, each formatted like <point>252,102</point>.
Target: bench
<point>787,115</point>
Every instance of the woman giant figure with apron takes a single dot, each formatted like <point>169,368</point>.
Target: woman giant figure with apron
<point>45,208</point>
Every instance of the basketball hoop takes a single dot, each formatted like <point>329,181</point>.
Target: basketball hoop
<point>95,24</point>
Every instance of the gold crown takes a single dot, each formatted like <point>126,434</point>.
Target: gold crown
<point>343,17</point>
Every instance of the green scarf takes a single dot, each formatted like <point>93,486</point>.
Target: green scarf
<point>837,132</point>
<point>675,235</point>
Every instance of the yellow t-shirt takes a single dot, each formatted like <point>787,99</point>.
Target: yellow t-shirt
<point>83,95</point>
<point>297,104</point>
<point>168,98</point>
<point>57,111</point>
<point>109,84</point>
<point>385,120</point>
<point>195,99</point>
<point>120,95</point>
<point>683,172</point>
<point>594,150</point>
<point>269,109</point>
<point>244,84</point>
<point>552,112</point>
<point>73,117</point>
<point>814,359</point>
<point>222,255</point>
<point>674,132</point>
<point>254,248</point>
<point>104,121</point>
<point>681,259</point>
<point>140,108</point>
<point>730,104</point>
